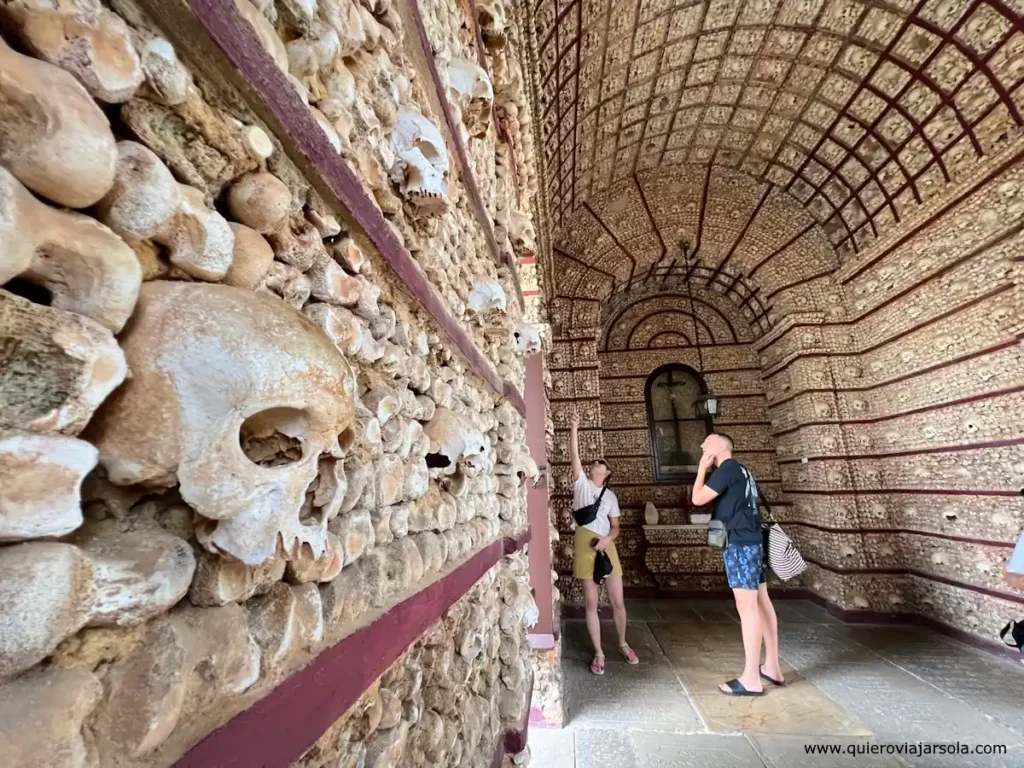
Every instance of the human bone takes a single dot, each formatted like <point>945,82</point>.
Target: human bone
<point>251,258</point>
<point>421,161</point>
<point>527,339</point>
<point>50,590</point>
<point>53,137</point>
<point>58,367</point>
<point>167,79</point>
<point>474,92</point>
<point>146,202</point>
<point>43,712</point>
<point>80,36</point>
<point>487,295</point>
<point>85,267</point>
<point>40,484</point>
<point>247,396</point>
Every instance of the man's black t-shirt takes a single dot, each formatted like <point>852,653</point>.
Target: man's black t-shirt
<point>737,502</point>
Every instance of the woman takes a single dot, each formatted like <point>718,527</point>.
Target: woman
<point>604,528</point>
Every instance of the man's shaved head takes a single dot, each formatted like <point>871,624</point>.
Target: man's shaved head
<point>718,445</point>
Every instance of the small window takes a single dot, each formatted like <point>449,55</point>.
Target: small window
<point>677,429</point>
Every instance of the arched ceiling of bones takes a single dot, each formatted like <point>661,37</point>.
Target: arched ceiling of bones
<point>859,110</point>
<point>750,242</point>
<point>651,316</point>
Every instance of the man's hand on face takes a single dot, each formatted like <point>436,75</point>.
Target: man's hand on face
<point>707,461</point>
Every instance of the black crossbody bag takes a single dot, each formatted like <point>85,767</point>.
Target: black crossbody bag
<point>586,515</point>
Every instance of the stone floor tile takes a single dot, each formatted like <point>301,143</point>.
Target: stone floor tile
<point>663,750</point>
<point>899,707</point>
<point>674,610</point>
<point>604,748</point>
<point>779,751</point>
<point>552,748</point>
<point>641,610</point>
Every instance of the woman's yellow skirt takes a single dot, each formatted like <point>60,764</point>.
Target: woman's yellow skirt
<point>583,561</point>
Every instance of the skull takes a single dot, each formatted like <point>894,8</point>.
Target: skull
<point>487,295</point>
<point>456,444</point>
<point>474,92</point>
<point>421,161</point>
<point>527,339</point>
<point>492,18</point>
<point>235,397</point>
<point>522,233</point>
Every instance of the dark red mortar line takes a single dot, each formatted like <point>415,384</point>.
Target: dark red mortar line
<point>920,574</point>
<point>907,531</point>
<point>908,491</point>
<point>991,294</point>
<point>913,452</point>
<point>266,89</point>
<point>277,729</point>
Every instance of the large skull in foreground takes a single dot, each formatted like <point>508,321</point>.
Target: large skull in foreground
<point>236,397</point>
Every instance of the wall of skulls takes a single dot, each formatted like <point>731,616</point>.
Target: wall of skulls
<point>226,437</point>
<point>450,698</point>
<point>907,414</point>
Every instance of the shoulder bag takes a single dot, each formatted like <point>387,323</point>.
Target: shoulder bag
<point>586,515</point>
<point>779,550</point>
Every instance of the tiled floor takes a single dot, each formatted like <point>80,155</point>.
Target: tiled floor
<point>855,687</point>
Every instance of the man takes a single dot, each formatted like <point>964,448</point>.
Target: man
<point>733,489</point>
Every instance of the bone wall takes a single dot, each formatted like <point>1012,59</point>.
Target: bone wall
<point>228,436</point>
<point>453,694</point>
<point>909,414</point>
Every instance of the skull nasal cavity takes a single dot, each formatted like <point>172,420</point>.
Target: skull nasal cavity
<point>270,438</point>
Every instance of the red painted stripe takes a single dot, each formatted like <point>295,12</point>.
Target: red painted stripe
<point>938,214</point>
<point>907,531</point>
<point>920,574</point>
<point>908,491</point>
<point>913,452</point>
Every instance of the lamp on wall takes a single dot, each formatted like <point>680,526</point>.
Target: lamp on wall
<point>707,404</point>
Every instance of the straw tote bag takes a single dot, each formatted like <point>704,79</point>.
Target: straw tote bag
<point>783,557</point>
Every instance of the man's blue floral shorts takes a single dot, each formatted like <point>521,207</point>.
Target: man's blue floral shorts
<point>744,565</point>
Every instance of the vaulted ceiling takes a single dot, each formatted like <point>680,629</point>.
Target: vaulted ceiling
<point>860,111</point>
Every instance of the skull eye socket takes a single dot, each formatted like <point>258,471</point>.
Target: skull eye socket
<point>272,438</point>
<point>347,440</point>
<point>428,150</point>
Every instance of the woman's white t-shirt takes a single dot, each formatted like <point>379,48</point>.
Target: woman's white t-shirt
<point>586,493</point>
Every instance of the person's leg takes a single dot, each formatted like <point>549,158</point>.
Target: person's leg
<point>591,592</point>
<point>770,628</point>
<point>614,584</point>
<point>743,574</point>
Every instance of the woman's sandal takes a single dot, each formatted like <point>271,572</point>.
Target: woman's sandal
<point>772,680</point>
<point>736,688</point>
<point>597,665</point>
<point>628,654</point>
